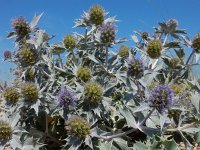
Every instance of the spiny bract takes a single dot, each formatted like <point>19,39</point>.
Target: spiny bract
<point>78,127</point>
<point>154,49</point>
<point>29,92</point>
<point>93,92</point>
<point>84,74</point>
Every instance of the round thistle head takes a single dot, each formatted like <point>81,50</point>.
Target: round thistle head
<point>96,15</point>
<point>21,27</point>
<point>173,63</point>
<point>154,49</point>
<point>30,76</point>
<point>69,42</point>
<point>29,92</point>
<point>11,95</point>
<point>84,74</point>
<point>135,68</point>
<point>107,33</point>
<point>93,92</point>
<point>145,35</point>
<point>196,42</point>
<point>123,51</point>
<point>161,97</point>
<point>5,131</point>
<point>66,97</point>
<point>78,127</point>
<point>28,56</point>
<point>7,54</point>
<point>172,23</point>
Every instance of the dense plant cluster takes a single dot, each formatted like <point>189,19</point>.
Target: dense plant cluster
<point>80,93</point>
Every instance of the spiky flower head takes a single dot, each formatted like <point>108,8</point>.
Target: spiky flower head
<point>29,92</point>
<point>123,51</point>
<point>27,56</point>
<point>11,95</point>
<point>69,42</point>
<point>173,63</point>
<point>196,42</point>
<point>107,33</point>
<point>66,97</point>
<point>96,15</point>
<point>84,74</point>
<point>154,49</point>
<point>93,92</point>
<point>172,24</point>
<point>78,127</point>
<point>161,97</point>
<point>135,68</point>
<point>5,131</point>
<point>7,54</point>
<point>145,35</point>
<point>21,27</point>
<point>30,75</point>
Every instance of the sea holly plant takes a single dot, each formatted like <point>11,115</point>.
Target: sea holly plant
<point>80,93</point>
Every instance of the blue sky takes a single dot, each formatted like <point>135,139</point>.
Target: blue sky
<point>59,15</point>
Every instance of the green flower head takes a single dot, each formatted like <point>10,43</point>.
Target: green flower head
<point>78,127</point>
<point>11,95</point>
<point>30,92</point>
<point>154,49</point>
<point>5,131</point>
<point>28,56</point>
<point>84,74</point>
<point>93,92</point>
<point>123,51</point>
<point>196,42</point>
<point>69,42</point>
<point>96,14</point>
<point>174,62</point>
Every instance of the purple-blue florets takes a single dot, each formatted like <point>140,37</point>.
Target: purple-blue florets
<point>66,97</point>
<point>161,97</point>
<point>108,32</point>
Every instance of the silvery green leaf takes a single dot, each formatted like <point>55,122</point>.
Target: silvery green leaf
<point>105,146</point>
<point>15,142</point>
<point>170,145</point>
<point>141,107</point>
<point>196,101</point>
<point>88,141</point>
<point>35,21</point>
<point>163,119</point>
<point>191,130</point>
<point>140,146</point>
<point>129,117</point>
<point>121,144</point>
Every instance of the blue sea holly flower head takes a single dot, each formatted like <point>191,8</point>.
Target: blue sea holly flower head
<point>161,97</point>
<point>66,97</point>
<point>107,33</point>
